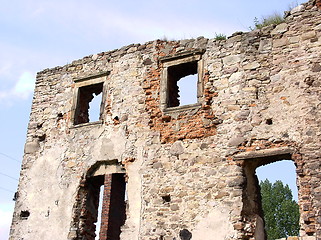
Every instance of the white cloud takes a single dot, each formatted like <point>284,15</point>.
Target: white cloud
<point>25,86</point>
<point>22,89</point>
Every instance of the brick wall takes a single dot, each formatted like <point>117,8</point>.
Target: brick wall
<point>114,208</point>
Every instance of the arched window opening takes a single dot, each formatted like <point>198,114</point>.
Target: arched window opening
<point>100,210</point>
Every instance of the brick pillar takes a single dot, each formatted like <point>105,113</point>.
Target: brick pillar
<point>113,207</point>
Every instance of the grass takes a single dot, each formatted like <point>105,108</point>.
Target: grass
<point>220,36</point>
<point>273,19</point>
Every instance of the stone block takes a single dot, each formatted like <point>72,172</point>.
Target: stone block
<point>250,89</point>
<point>281,28</point>
<point>236,141</point>
<point>265,45</point>
<point>174,207</point>
<point>31,147</point>
<point>221,84</point>
<point>280,42</point>
<point>295,39</point>
<point>231,60</point>
<point>236,77</point>
<point>243,115</point>
<point>308,35</point>
<point>177,148</point>
<point>316,67</point>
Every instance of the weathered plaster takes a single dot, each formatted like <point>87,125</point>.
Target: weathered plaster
<point>190,170</point>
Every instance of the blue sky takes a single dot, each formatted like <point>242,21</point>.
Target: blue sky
<point>39,34</point>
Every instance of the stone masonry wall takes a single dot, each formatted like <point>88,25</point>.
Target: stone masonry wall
<point>190,170</point>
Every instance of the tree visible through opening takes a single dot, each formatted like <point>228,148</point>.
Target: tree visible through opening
<point>281,212</point>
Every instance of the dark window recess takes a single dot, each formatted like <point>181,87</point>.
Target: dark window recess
<point>174,93</point>
<point>166,198</point>
<point>86,96</point>
<point>24,215</point>
<point>269,121</point>
<point>185,234</point>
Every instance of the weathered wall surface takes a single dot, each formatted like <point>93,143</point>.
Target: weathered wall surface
<point>189,170</point>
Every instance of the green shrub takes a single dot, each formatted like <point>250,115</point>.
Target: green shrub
<point>220,36</point>
<point>273,19</point>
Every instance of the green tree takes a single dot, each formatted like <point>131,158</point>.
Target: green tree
<point>281,212</point>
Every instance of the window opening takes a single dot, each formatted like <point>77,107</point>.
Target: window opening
<point>176,92</point>
<point>88,103</point>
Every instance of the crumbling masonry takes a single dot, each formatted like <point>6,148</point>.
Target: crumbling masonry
<point>173,171</point>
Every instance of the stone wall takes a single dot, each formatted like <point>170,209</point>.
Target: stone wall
<point>189,170</point>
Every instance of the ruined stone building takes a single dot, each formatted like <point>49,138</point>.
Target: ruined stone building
<point>169,170</point>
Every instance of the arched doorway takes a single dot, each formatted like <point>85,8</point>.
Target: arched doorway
<point>111,176</point>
